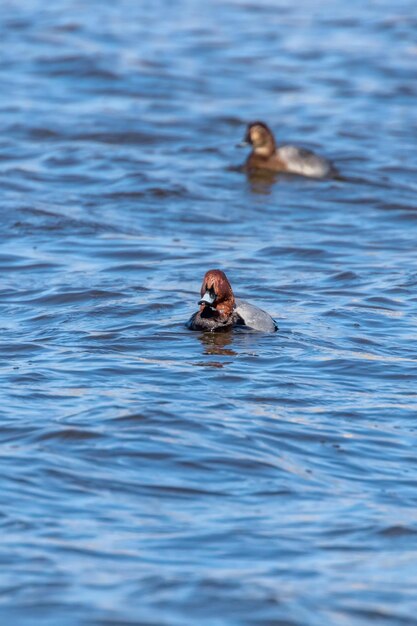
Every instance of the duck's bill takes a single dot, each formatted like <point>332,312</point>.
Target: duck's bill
<point>208,299</point>
<point>242,144</point>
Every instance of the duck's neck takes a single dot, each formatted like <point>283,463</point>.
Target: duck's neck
<point>225,308</point>
<point>267,149</point>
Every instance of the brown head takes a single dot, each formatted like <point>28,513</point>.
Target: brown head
<point>216,293</point>
<point>261,139</point>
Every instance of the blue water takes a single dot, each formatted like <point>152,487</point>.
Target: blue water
<point>155,476</point>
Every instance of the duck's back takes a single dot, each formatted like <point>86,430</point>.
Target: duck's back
<point>255,318</point>
<point>305,162</point>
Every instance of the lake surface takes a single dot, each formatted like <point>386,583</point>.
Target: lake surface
<point>155,476</point>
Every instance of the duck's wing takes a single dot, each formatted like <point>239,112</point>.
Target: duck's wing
<point>255,318</point>
<point>305,162</point>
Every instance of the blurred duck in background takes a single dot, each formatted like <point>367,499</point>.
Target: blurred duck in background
<point>266,156</point>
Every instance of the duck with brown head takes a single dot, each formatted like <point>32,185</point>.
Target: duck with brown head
<point>260,137</point>
<point>220,310</point>
<point>266,156</point>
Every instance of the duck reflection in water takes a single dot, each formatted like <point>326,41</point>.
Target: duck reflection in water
<point>216,343</point>
<point>262,181</point>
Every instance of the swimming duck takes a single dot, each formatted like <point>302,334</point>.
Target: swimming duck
<point>265,155</point>
<point>220,310</point>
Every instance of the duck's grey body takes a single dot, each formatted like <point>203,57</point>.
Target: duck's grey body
<point>254,317</point>
<point>304,162</point>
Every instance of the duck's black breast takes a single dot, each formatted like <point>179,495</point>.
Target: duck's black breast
<point>209,323</point>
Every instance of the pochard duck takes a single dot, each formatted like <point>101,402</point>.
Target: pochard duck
<point>220,310</point>
<point>266,155</point>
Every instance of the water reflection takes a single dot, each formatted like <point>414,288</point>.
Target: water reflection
<point>262,181</point>
<point>215,343</point>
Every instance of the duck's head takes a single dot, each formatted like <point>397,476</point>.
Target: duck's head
<point>216,293</point>
<point>260,137</point>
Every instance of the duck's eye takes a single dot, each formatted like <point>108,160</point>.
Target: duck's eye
<point>212,293</point>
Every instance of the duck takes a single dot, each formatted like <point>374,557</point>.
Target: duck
<point>266,156</point>
<point>221,311</point>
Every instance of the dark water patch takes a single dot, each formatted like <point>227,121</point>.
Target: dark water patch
<point>398,531</point>
<point>82,67</point>
<point>153,192</point>
<point>74,297</point>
